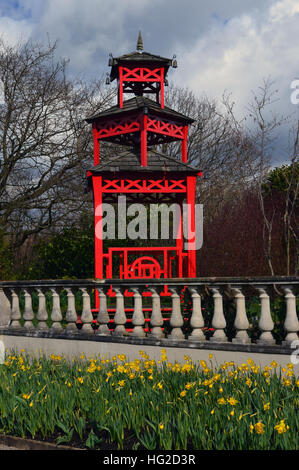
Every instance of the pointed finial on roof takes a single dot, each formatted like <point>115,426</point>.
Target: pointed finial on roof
<point>139,46</point>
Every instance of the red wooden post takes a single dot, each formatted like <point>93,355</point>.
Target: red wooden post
<point>162,88</point>
<point>120,88</point>
<point>184,144</point>
<point>143,137</point>
<point>96,146</point>
<point>191,189</point>
<point>180,244</point>
<point>98,236</point>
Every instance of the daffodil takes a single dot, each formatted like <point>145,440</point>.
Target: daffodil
<point>281,427</point>
<point>258,427</point>
<point>25,396</point>
<point>188,386</point>
<point>232,401</point>
<point>248,382</point>
<point>286,382</point>
<point>221,401</point>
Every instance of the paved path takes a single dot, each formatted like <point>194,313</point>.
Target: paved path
<point>3,447</point>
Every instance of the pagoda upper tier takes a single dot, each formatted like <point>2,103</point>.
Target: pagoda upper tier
<point>140,72</point>
<point>140,122</point>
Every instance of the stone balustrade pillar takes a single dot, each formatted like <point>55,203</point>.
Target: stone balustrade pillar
<point>176,319</point>
<point>71,314</point>
<point>241,322</point>
<point>5,309</point>
<point>138,319</point>
<point>218,320</point>
<point>196,320</point>
<point>291,324</point>
<point>103,317</point>
<point>15,310</point>
<point>265,324</point>
<point>86,315</point>
<point>120,318</point>
<point>42,314</point>
<point>156,321</point>
<point>28,314</point>
<point>56,316</point>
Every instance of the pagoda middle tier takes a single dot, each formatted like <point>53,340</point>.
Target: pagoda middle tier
<point>140,123</point>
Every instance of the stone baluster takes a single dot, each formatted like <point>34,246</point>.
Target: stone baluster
<point>15,310</point>
<point>218,320</point>
<point>86,316</point>
<point>291,324</point>
<point>42,314</point>
<point>71,314</point>
<point>176,319</point>
<point>196,320</point>
<point>138,319</point>
<point>241,321</point>
<point>265,324</point>
<point>5,308</point>
<point>120,315</point>
<point>28,314</point>
<point>103,317</point>
<point>156,321</point>
<point>56,315</point>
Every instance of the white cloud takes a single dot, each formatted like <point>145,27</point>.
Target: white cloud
<point>90,29</point>
<point>12,31</point>
<point>220,46</point>
<point>283,9</point>
<point>237,55</point>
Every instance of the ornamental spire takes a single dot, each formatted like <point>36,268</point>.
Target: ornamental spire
<point>139,46</point>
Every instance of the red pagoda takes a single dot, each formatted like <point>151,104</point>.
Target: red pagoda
<point>142,173</point>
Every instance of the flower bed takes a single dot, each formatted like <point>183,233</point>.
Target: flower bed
<point>115,403</point>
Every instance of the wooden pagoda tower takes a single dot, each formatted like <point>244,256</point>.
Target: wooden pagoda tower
<point>141,173</point>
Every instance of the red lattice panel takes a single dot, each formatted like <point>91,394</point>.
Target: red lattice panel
<point>117,127</point>
<point>144,186</point>
<point>142,74</point>
<point>167,128</point>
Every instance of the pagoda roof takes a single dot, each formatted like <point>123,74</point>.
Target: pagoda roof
<point>138,57</point>
<point>139,103</point>
<point>131,161</point>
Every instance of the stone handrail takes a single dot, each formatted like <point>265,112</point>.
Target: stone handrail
<point>197,309</point>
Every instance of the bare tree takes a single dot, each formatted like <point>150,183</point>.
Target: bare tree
<point>45,146</point>
<point>290,217</point>
<point>282,186</point>
<point>264,124</point>
<point>217,144</point>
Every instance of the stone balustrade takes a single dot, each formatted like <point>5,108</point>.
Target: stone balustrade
<point>218,310</point>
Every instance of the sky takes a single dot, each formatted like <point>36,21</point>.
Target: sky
<point>221,45</point>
